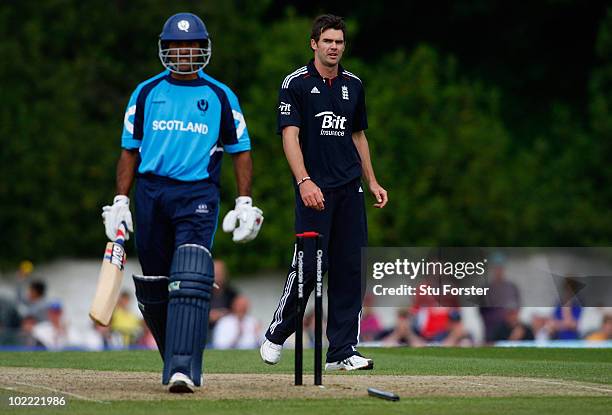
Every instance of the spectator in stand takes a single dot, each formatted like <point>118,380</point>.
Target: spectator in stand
<point>25,336</point>
<point>238,329</point>
<point>606,330</point>
<point>512,328</point>
<point>439,325</point>
<point>541,326</point>
<point>503,296</point>
<point>437,319</point>
<point>97,338</point>
<point>110,339</point>
<point>30,297</point>
<point>403,333</point>
<point>52,333</point>
<point>564,323</point>
<point>370,326</point>
<point>55,334</point>
<point>124,321</point>
<point>222,297</point>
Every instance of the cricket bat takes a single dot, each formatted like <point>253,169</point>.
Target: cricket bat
<point>109,279</point>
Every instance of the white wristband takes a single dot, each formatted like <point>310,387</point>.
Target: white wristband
<point>303,180</point>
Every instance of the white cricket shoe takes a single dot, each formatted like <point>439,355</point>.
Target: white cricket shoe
<point>180,383</point>
<point>270,352</point>
<point>353,362</point>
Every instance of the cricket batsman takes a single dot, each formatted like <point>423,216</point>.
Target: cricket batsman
<point>176,128</point>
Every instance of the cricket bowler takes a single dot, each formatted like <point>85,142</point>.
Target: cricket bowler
<point>322,119</point>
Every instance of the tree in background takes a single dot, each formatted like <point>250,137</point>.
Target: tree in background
<point>471,155</point>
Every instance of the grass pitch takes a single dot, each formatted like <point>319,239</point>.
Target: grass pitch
<point>429,381</point>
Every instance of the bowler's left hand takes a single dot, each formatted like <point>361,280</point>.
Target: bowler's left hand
<point>379,194</point>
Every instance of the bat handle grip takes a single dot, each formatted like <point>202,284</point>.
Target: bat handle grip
<point>121,232</point>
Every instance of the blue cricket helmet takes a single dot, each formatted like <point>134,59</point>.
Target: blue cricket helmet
<point>184,27</point>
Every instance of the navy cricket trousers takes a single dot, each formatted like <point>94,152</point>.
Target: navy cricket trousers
<point>170,213</point>
<point>344,228</point>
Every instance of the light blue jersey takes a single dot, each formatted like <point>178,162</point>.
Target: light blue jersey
<point>182,127</point>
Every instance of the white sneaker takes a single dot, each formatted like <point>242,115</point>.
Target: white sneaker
<point>354,362</point>
<point>180,383</point>
<point>270,352</point>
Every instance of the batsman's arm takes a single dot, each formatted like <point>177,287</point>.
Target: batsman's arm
<point>243,170</point>
<point>126,170</point>
<point>245,220</point>
<point>361,144</point>
<point>311,193</point>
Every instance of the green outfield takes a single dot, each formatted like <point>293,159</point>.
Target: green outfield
<point>429,381</point>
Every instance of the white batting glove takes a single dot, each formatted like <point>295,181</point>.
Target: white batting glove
<point>115,214</point>
<point>244,221</point>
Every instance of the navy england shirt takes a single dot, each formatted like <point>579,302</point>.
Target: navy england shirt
<point>327,112</point>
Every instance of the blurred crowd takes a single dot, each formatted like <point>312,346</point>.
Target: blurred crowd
<point>443,326</point>
<point>426,323</point>
<point>33,321</point>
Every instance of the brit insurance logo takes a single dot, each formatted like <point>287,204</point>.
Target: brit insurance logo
<point>332,124</point>
<point>285,109</point>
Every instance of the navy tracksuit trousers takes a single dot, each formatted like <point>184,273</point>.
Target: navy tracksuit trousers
<point>344,228</point>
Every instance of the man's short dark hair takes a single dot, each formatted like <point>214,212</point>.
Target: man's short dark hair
<point>38,287</point>
<point>324,22</point>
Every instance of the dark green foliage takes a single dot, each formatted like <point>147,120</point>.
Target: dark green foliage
<point>458,170</point>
